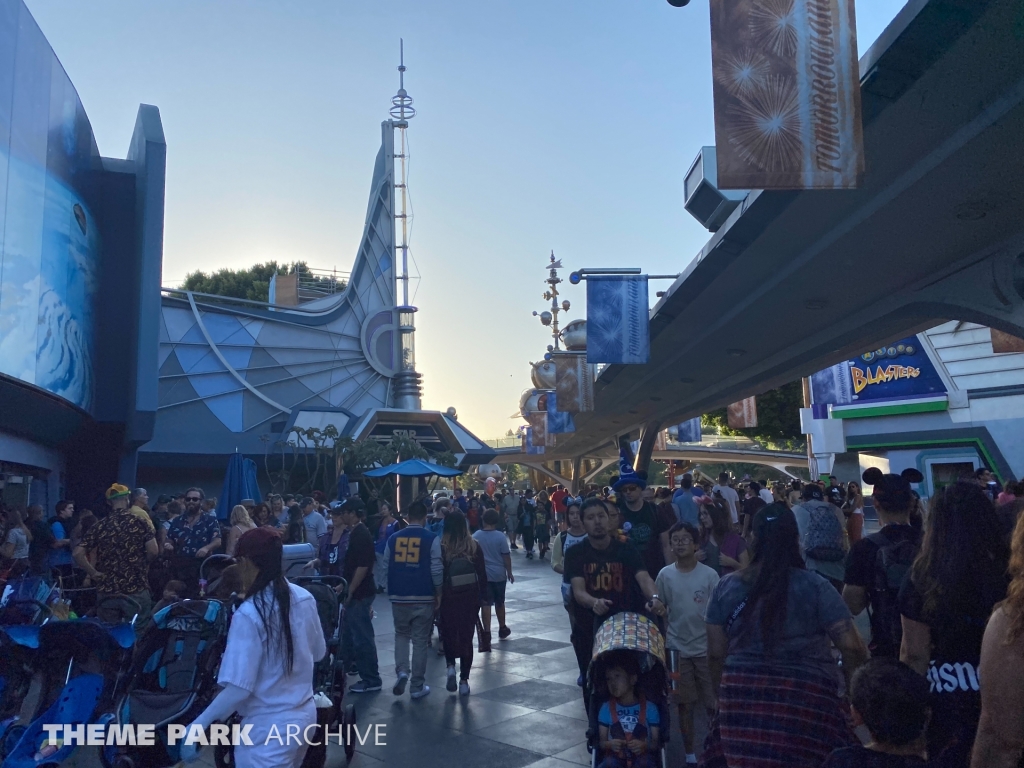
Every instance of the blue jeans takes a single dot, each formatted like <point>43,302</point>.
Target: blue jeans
<point>357,643</point>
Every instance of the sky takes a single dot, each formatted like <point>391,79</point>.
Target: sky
<point>543,125</point>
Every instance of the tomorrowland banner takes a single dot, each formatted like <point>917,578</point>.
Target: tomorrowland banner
<point>743,415</point>
<point>574,383</point>
<point>900,371</point>
<point>618,317</point>
<point>787,94</point>
<point>559,422</point>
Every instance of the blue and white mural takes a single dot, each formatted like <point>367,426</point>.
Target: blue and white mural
<point>49,245</point>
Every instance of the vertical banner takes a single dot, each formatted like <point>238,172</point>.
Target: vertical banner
<point>539,428</point>
<point>787,94</point>
<point>559,422</point>
<point>531,448</point>
<point>689,431</point>
<point>618,317</point>
<point>743,415</point>
<point>574,383</point>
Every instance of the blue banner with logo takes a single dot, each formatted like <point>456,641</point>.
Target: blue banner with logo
<point>617,319</point>
<point>899,371</point>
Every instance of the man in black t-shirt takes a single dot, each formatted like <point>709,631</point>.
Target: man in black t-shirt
<point>608,576</point>
<point>357,629</point>
<point>873,576</point>
<point>647,528</point>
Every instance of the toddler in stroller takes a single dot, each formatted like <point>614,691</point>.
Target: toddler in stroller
<point>628,690</point>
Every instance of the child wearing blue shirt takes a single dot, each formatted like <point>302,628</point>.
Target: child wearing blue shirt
<point>627,723</point>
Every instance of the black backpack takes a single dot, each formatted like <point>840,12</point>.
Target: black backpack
<point>461,576</point>
<point>892,564</point>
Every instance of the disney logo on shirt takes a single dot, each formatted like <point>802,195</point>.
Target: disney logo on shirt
<point>948,678</point>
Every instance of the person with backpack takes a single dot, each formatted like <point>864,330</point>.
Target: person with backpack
<point>822,535</point>
<point>464,590</point>
<point>878,564</point>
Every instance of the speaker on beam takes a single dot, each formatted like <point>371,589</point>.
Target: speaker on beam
<point>702,198</point>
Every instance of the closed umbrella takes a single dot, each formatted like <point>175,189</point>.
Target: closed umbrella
<point>239,483</point>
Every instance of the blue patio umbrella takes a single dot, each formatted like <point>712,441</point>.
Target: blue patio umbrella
<point>239,483</point>
<point>413,468</point>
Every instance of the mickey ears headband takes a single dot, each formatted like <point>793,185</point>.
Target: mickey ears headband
<point>874,476</point>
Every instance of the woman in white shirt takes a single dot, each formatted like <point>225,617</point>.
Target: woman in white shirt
<point>266,671</point>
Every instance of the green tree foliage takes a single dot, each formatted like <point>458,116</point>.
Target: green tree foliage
<point>252,283</point>
<point>778,419</point>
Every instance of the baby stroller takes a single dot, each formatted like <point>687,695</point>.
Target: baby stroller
<point>636,640</point>
<point>329,673</point>
<point>26,601</point>
<point>173,678</point>
<point>80,669</point>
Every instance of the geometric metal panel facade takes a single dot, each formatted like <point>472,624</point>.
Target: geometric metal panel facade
<point>251,367</point>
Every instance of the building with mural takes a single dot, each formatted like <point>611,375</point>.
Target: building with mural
<point>80,257</point>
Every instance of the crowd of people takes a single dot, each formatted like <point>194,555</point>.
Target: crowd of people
<point>756,586</point>
<point>759,585</point>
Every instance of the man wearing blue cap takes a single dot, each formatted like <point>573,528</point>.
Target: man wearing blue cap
<point>646,527</point>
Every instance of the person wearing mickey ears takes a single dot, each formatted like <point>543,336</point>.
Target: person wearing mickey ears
<point>266,671</point>
<point>877,564</point>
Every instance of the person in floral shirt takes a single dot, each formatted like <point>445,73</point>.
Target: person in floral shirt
<point>121,545</point>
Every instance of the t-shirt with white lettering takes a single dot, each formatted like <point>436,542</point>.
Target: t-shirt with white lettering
<point>686,594</point>
<point>731,498</point>
<point>249,664</point>
<point>957,627</point>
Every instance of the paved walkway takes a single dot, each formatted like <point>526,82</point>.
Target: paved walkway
<point>525,708</point>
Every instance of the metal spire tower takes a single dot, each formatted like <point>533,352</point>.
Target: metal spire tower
<point>407,381</point>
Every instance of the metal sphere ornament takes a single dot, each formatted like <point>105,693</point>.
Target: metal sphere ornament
<point>485,471</point>
<point>545,318</point>
<point>543,374</point>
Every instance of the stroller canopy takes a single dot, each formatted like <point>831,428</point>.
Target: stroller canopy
<point>630,632</point>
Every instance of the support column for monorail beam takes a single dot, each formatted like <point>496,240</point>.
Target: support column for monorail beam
<point>648,437</point>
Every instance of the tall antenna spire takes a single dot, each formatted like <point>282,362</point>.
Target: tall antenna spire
<point>407,381</point>
<point>401,109</point>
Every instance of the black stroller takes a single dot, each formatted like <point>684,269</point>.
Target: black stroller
<point>173,678</point>
<point>329,673</point>
<point>635,639</point>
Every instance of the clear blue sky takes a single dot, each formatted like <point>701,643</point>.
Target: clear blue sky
<point>543,124</point>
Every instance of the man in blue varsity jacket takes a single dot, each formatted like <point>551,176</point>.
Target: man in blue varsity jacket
<point>415,573</point>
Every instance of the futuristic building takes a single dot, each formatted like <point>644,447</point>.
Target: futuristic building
<point>105,377</point>
<point>237,376</point>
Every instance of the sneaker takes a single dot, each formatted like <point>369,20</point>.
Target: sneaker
<point>399,688</point>
<point>451,685</point>
<point>579,681</point>
<point>504,632</point>
<point>513,547</point>
<point>529,554</point>
<point>420,693</point>
<point>464,688</point>
<point>364,687</point>
<point>352,671</point>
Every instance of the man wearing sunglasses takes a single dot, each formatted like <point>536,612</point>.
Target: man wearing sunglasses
<point>194,534</point>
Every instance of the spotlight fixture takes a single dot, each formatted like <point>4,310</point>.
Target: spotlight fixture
<point>678,3</point>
